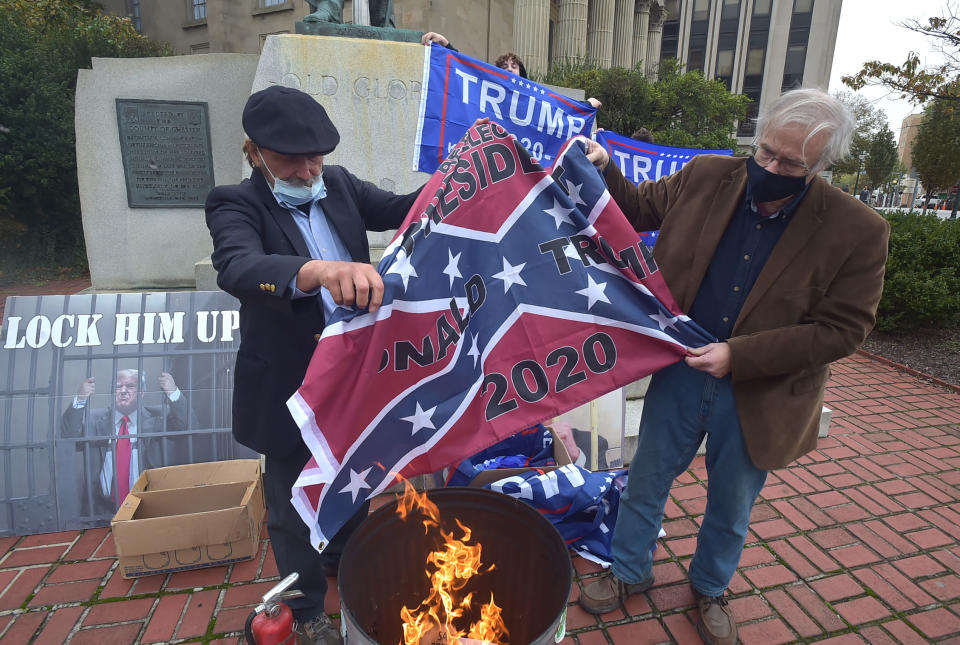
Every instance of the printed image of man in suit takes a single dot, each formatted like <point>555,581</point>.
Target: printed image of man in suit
<point>291,244</point>
<point>121,461</point>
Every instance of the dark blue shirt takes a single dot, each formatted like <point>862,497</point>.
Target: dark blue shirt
<point>741,254</point>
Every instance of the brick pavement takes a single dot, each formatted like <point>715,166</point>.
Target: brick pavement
<point>857,542</point>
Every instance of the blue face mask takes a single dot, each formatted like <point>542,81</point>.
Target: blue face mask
<point>296,195</point>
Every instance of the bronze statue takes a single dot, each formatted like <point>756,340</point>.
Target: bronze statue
<point>381,12</point>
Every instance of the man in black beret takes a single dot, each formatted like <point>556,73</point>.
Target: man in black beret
<point>290,243</point>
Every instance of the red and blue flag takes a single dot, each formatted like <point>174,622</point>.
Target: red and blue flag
<point>513,293</point>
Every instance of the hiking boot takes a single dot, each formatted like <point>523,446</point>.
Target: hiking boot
<point>715,622</point>
<point>319,630</point>
<point>607,592</point>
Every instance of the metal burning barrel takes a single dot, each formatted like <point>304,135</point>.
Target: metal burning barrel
<point>383,567</point>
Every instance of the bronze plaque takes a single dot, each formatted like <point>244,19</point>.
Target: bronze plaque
<point>167,157</point>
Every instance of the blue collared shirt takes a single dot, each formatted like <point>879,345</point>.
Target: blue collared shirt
<point>322,242</point>
<point>743,250</point>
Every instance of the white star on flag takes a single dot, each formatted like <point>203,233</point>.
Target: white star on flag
<point>421,419</point>
<point>474,352</point>
<point>357,481</point>
<point>510,275</point>
<point>574,192</point>
<point>559,214</point>
<point>403,268</point>
<point>594,292</point>
<point>453,266</point>
<point>665,321</point>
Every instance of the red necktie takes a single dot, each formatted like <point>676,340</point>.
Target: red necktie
<point>123,460</point>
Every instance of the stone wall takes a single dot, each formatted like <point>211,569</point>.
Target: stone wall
<point>145,248</point>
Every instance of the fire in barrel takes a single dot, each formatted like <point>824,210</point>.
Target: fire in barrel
<point>455,566</point>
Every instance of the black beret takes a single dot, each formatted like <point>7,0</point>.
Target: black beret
<point>289,121</point>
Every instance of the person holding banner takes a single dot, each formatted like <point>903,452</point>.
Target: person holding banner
<point>509,62</point>
<point>786,271</point>
<point>290,243</point>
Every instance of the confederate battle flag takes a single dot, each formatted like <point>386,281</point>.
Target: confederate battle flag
<point>513,294</point>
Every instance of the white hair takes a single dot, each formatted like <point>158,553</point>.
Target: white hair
<point>128,374</point>
<point>818,112</point>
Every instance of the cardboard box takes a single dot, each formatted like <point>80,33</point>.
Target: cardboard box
<point>186,517</point>
<point>560,455</point>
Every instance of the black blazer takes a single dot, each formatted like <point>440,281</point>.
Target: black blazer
<point>257,250</point>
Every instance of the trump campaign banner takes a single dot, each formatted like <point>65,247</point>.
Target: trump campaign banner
<point>513,294</point>
<point>457,90</point>
<point>642,161</point>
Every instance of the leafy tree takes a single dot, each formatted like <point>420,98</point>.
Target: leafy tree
<point>42,45</point>
<point>869,120</point>
<point>881,157</point>
<point>911,78</point>
<point>680,109</point>
<point>936,149</point>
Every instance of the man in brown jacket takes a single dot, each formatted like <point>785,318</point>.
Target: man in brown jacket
<point>786,271</point>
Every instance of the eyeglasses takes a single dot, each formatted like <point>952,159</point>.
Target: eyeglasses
<point>765,156</point>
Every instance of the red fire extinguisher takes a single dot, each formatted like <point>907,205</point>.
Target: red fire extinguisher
<point>271,622</point>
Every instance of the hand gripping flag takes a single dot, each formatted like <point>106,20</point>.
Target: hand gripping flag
<point>457,90</point>
<point>642,161</point>
<point>512,294</point>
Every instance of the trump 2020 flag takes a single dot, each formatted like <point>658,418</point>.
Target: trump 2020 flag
<point>642,161</point>
<point>513,294</point>
<point>457,90</point>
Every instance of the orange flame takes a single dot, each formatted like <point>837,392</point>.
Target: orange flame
<point>449,569</point>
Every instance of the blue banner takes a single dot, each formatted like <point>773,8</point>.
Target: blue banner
<point>458,90</point>
<point>642,161</point>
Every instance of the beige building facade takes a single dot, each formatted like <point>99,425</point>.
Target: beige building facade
<point>756,47</point>
<point>910,185</point>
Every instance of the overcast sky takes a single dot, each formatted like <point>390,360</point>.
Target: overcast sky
<point>869,30</point>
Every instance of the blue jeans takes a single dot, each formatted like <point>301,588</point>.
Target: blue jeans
<point>683,404</point>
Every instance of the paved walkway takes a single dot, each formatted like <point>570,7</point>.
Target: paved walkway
<point>858,542</point>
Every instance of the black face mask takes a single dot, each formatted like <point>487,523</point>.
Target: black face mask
<point>769,187</point>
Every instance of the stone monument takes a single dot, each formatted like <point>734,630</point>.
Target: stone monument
<point>153,135</point>
<point>371,90</point>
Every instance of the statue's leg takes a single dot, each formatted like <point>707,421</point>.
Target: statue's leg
<point>381,13</point>
<point>326,11</point>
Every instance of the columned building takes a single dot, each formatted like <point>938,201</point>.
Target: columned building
<point>755,47</point>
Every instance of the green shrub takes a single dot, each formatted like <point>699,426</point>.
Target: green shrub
<point>922,284</point>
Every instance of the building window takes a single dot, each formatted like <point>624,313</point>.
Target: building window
<point>198,10</point>
<point>727,41</point>
<point>200,48</point>
<point>797,44</point>
<point>671,30</point>
<point>756,56</point>
<point>272,3</point>
<point>699,27</point>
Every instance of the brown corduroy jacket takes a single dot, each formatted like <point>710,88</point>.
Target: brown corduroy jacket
<point>814,301</point>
